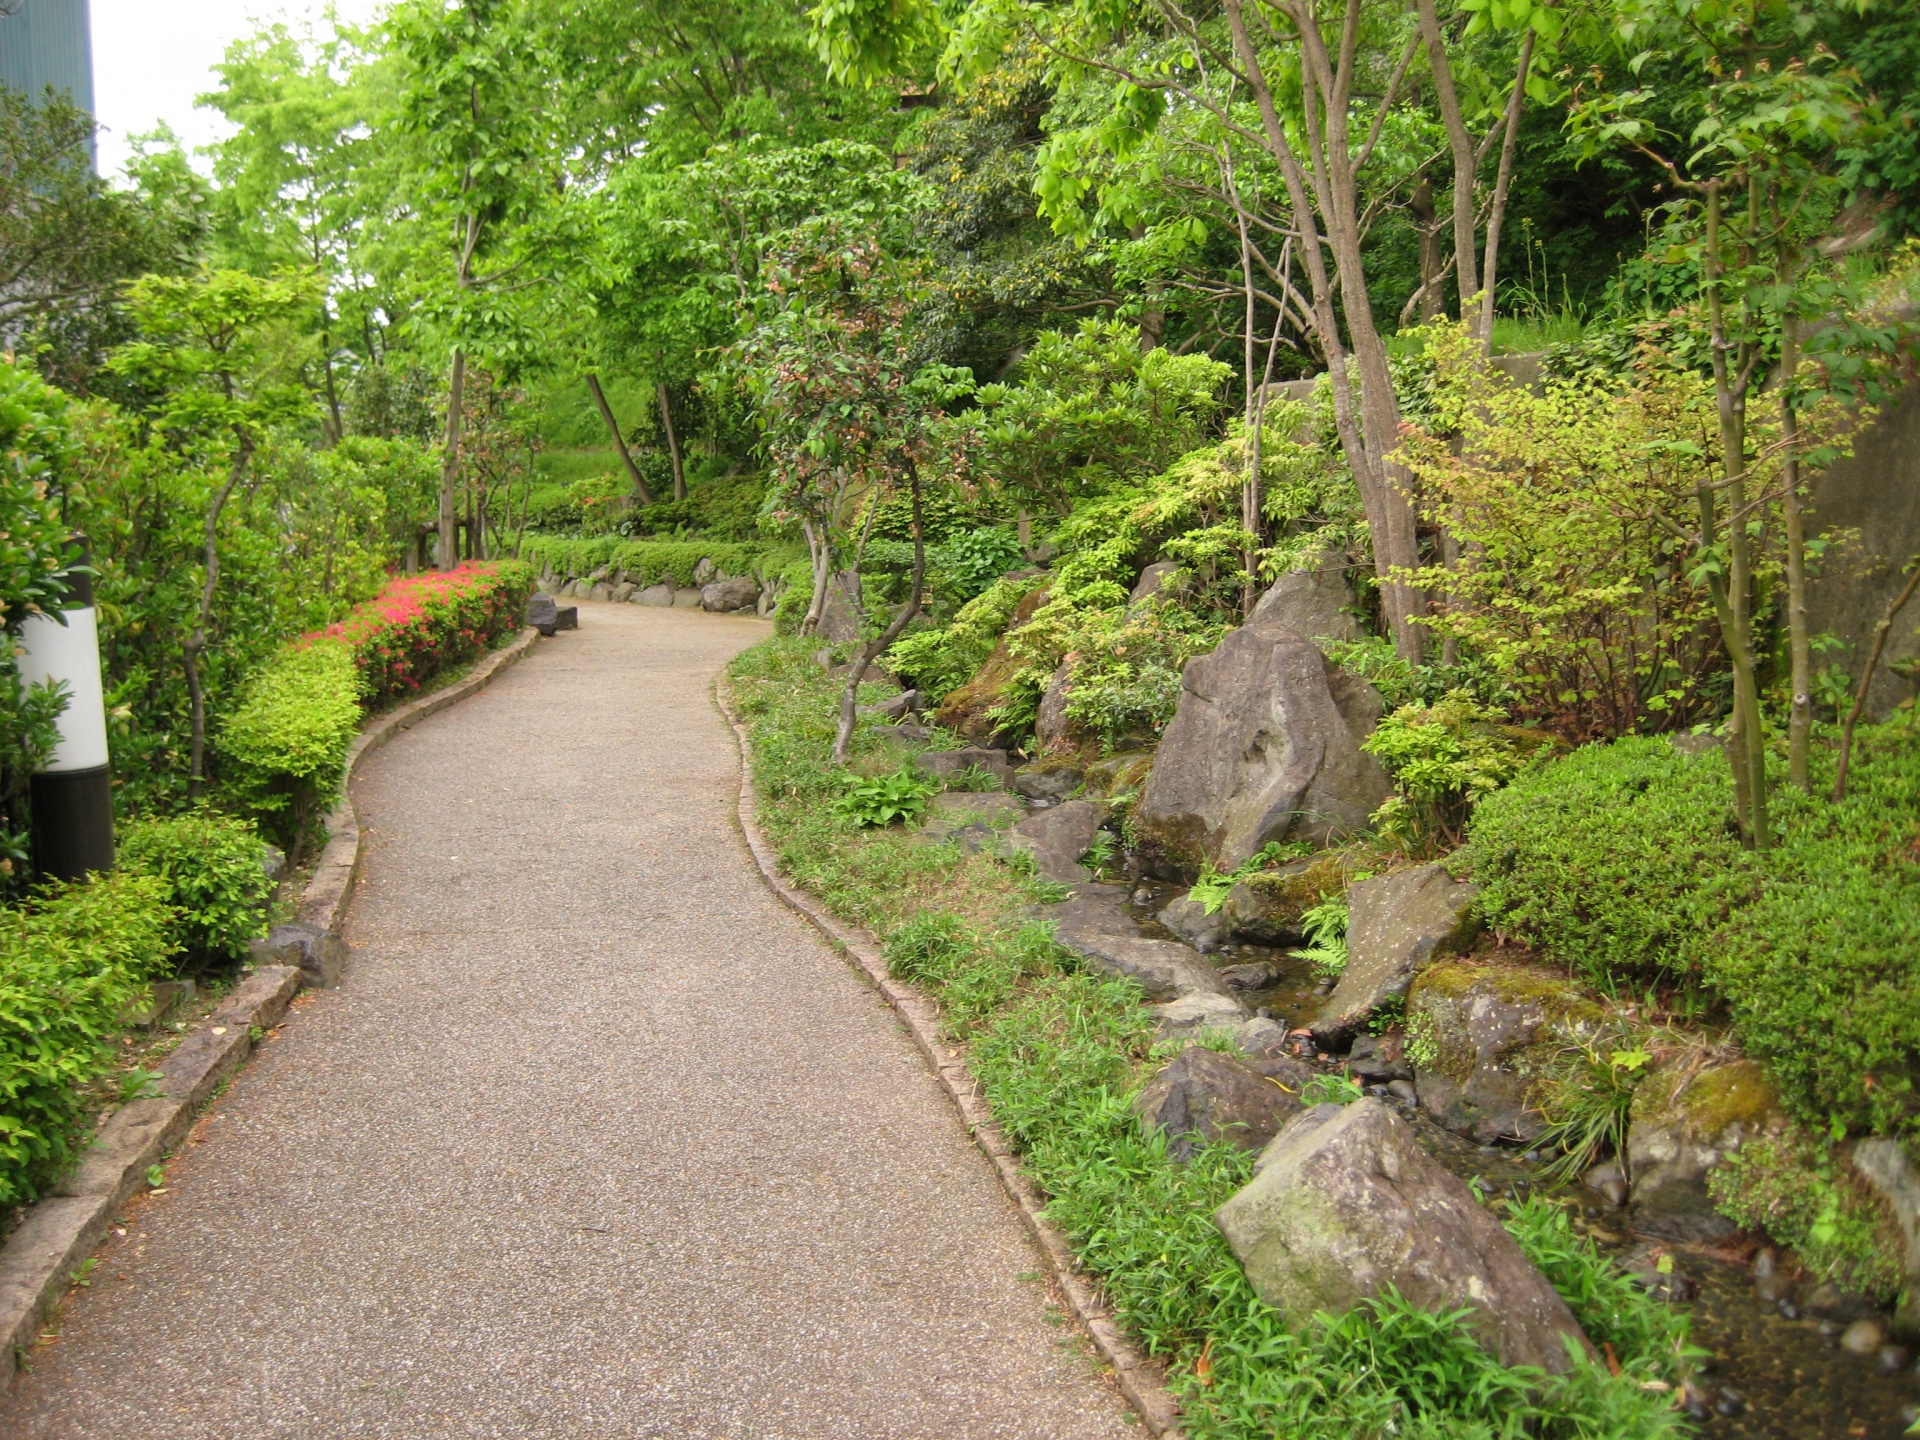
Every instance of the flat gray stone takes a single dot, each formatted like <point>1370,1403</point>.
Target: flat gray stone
<point>1058,837</point>
<point>686,599</point>
<point>1399,922</point>
<point>1204,1095</point>
<point>946,764</point>
<point>660,595</point>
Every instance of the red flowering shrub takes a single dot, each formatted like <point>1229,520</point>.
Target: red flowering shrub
<point>421,624</point>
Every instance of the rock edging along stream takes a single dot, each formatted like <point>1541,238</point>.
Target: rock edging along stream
<point>1140,1379</point>
<point>41,1258</point>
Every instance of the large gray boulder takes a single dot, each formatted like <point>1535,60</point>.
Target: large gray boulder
<point>543,613</point>
<point>737,592</point>
<point>1057,837</point>
<point>661,594</point>
<point>1264,745</point>
<point>1204,1095</point>
<point>1153,581</point>
<point>1052,727</point>
<point>1344,1203</point>
<point>1398,924</point>
<point>1316,602</point>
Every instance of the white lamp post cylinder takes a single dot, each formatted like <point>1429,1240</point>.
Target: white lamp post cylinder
<point>72,795</point>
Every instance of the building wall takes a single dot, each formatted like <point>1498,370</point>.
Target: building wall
<point>48,42</point>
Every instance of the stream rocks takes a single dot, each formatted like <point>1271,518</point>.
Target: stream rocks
<point>1264,745</point>
<point>1344,1203</point>
<point>1205,1095</point>
<point>1193,1000</point>
<point>1058,837</point>
<point>1885,1165</point>
<point>1398,924</point>
<point>1482,1037</point>
<point>1686,1119</point>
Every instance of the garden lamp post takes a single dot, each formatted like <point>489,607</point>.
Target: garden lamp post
<point>72,795</point>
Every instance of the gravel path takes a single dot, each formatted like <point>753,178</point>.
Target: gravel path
<point>597,1139</point>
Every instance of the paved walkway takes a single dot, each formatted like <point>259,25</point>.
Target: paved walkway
<point>597,1140</point>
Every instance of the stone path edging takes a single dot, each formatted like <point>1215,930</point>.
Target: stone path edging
<point>1141,1379</point>
<point>39,1259</point>
<point>324,901</point>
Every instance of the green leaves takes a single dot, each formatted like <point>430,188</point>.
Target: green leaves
<point>889,800</point>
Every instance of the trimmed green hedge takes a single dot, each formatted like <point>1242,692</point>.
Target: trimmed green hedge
<point>1621,860</point>
<point>214,869</point>
<point>72,959</point>
<point>282,750</point>
<point>647,562</point>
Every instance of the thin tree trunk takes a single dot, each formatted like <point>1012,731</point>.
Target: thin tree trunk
<point>450,460</point>
<point>1460,143</point>
<point>619,440</point>
<point>196,643</point>
<point>335,427</point>
<point>1799,637</point>
<point>817,554</point>
<point>1497,209</point>
<point>1880,633</point>
<point>850,697</point>
<point>1431,297</point>
<point>673,442</point>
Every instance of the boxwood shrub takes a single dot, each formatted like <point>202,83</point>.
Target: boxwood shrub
<point>72,958</point>
<point>282,749</point>
<point>214,868</point>
<point>648,562</point>
<point>1621,861</point>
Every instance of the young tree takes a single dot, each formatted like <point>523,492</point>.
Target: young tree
<point>224,353</point>
<point>849,418</point>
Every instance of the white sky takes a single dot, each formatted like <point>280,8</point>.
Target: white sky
<point>150,60</point>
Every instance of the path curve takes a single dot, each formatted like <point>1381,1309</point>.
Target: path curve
<point>597,1140</point>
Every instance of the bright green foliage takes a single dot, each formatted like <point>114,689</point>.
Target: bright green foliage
<point>888,799</point>
<point>214,873</point>
<point>283,747</point>
<point>1619,859</point>
<point>1799,1189</point>
<point>1444,758</point>
<point>71,960</point>
<point>1587,1102</point>
<point>941,661</point>
<point>1648,1336</point>
<point>1325,926</point>
<point>37,443</point>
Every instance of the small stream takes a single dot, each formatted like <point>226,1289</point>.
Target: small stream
<point>1774,1371</point>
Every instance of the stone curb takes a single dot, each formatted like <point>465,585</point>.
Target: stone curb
<point>1141,1379</point>
<point>61,1231</point>
<point>324,902</point>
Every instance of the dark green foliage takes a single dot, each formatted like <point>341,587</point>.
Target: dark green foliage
<point>214,872</point>
<point>647,562</point>
<point>1822,967</point>
<point>71,960</point>
<point>1619,859</point>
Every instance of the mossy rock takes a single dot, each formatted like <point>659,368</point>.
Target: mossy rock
<point>1483,1038</point>
<point>964,712</point>
<point>1267,905</point>
<point>1688,1119</point>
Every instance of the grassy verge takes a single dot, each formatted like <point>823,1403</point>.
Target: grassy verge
<point>1060,1055</point>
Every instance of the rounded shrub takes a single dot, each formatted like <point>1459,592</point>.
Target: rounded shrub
<point>214,869</point>
<point>282,750</point>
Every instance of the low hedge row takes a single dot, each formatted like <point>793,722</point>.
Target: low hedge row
<point>283,746</point>
<point>422,624</point>
<point>72,959</point>
<point>648,562</point>
<point>1622,861</point>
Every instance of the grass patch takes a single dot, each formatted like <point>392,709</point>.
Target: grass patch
<point>1060,1055</point>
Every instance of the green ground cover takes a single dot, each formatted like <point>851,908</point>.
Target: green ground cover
<point>1060,1054</point>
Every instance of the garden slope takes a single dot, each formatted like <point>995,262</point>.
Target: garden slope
<point>596,1139</point>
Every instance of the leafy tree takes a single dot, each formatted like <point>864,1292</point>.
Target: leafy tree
<point>223,354</point>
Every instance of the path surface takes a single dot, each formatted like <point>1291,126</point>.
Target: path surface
<point>597,1140</point>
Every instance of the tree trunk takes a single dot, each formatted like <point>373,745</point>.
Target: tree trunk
<point>673,443</point>
<point>450,460</point>
<point>1503,178</point>
<point>850,697</point>
<point>1460,143</point>
<point>196,643</point>
<point>1799,638</point>
<point>1431,298</point>
<point>619,440</point>
<point>817,555</point>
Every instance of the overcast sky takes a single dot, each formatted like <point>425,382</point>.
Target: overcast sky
<point>149,61</point>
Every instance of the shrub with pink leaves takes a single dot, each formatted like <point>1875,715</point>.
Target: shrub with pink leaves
<point>422,624</point>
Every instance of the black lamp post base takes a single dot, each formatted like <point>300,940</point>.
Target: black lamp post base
<point>72,822</point>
